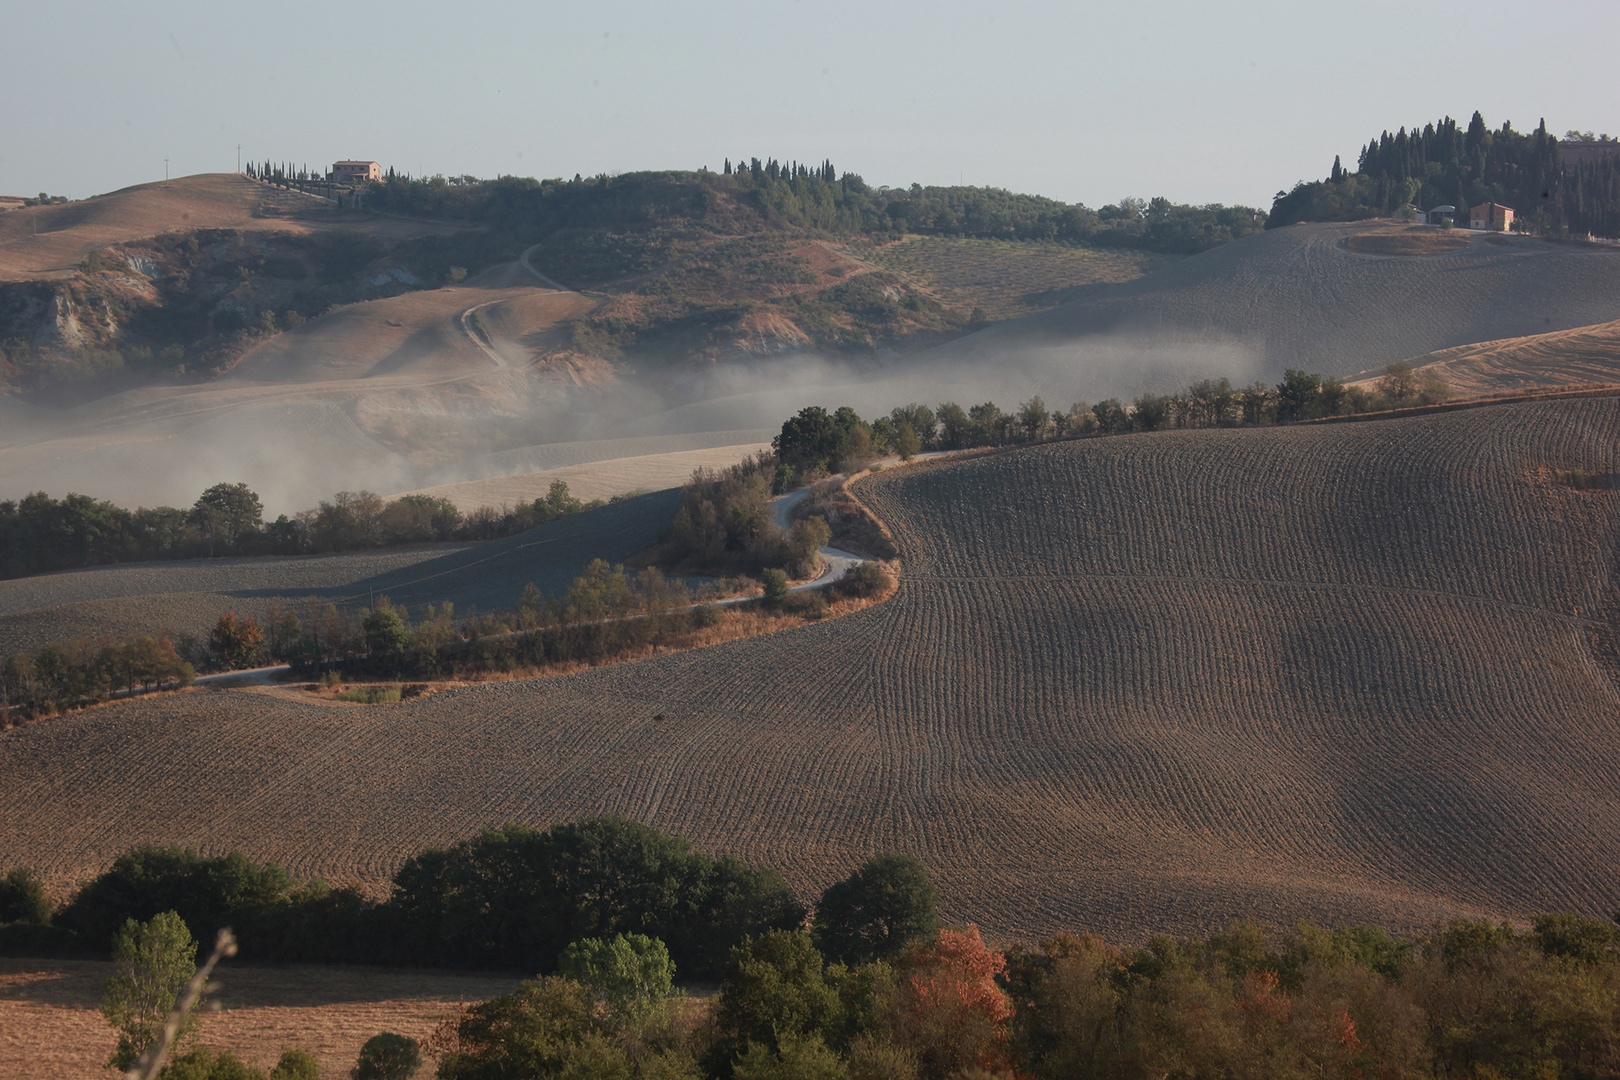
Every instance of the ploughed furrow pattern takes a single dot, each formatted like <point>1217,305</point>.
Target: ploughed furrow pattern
<point>1347,673</point>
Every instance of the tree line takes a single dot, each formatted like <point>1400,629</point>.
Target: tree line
<point>810,197</point>
<point>868,985</point>
<point>606,614</point>
<point>815,443</point>
<point>40,534</point>
<point>1447,164</point>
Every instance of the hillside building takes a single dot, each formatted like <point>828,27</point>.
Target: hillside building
<point>1576,153</point>
<point>1441,214</point>
<point>351,171</point>
<point>1491,215</point>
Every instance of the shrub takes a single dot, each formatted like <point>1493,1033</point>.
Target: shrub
<point>387,1056</point>
<point>862,579</point>
<point>776,587</point>
<point>23,899</point>
<point>296,1064</point>
<point>201,1064</point>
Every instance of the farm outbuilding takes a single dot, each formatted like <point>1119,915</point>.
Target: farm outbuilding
<point>1491,215</point>
<point>356,170</point>
<point>1439,215</point>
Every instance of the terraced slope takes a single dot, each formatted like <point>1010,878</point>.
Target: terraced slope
<point>186,597</point>
<point>1358,672</point>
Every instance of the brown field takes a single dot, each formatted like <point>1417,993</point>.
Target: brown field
<point>594,480</point>
<point>1411,240</point>
<point>51,1029</point>
<point>1350,673</point>
<point>186,597</point>
<point>49,241</point>
<point>1007,278</point>
<point>1564,358</point>
<point>1300,297</point>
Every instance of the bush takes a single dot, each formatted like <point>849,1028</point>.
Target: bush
<point>296,1064</point>
<point>387,1057</point>
<point>776,587</point>
<point>201,1064</point>
<point>862,579</point>
<point>23,899</point>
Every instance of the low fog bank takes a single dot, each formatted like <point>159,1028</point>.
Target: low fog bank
<point>1090,370</point>
<point>297,452</point>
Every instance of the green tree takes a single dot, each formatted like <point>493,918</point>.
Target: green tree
<point>906,443</point>
<point>775,988</point>
<point>387,1056</point>
<point>632,973</point>
<point>876,911</point>
<point>235,641</point>
<point>799,1057</point>
<point>227,512</point>
<point>152,963</point>
<point>385,630</point>
<point>1033,419</point>
<point>533,1031</point>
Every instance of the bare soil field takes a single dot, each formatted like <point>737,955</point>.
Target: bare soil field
<point>51,1029</point>
<point>1351,673</point>
<point>186,597</point>
<point>1409,240</point>
<point>1563,358</point>
<point>594,480</point>
<point>1300,297</point>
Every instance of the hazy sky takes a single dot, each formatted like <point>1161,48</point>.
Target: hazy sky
<point>1200,102</point>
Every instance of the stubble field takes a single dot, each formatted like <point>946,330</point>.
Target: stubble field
<point>1151,683</point>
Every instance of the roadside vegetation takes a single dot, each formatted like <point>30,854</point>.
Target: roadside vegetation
<point>608,615</point>
<point>870,983</point>
<point>40,534</point>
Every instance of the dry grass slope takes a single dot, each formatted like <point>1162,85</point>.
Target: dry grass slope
<point>1584,355</point>
<point>1361,672</point>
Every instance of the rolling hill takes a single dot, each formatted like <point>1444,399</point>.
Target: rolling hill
<point>1362,672</point>
<point>1586,355</point>
<point>1301,297</point>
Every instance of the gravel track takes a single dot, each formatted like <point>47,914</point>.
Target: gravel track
<point>1135,684</point>
<point>187,596</point>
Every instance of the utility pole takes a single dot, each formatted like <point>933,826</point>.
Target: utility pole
<point>238,157</point>
<point>165,172</point>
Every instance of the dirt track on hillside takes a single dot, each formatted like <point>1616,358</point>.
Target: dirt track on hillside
<point>1352,673</point>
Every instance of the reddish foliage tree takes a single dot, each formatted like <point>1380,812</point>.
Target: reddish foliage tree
<point>950,1011</point>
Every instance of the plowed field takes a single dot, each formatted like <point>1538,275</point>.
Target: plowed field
<point>1359,672</point>
<point>186,597</point>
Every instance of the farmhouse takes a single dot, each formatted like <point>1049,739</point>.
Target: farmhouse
<point>1491,215</point>
<point>356,170</point>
